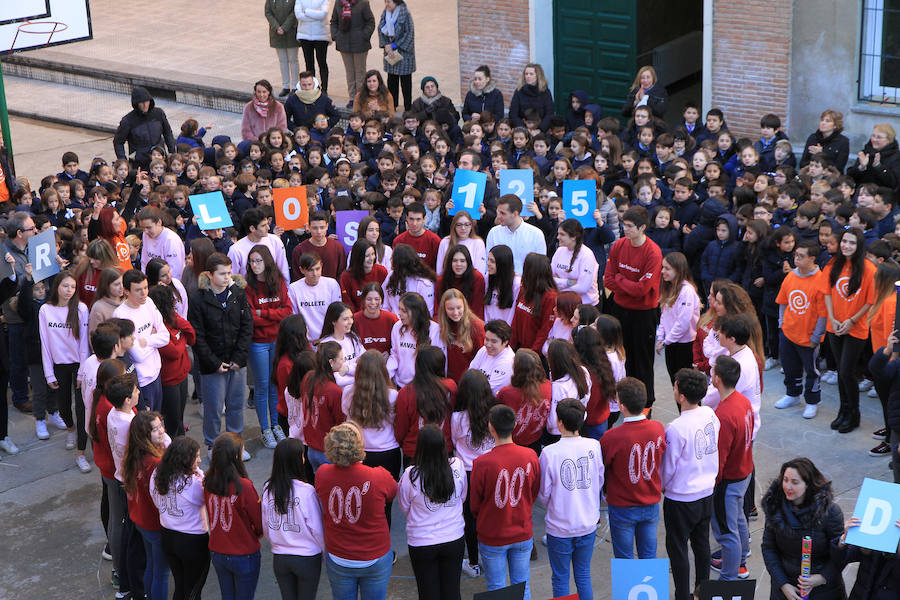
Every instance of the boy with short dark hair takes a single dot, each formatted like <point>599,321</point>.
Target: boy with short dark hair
<point>770,135</point>
<point>70,169</point>
<point>715,121</point>
<point>805,222</point>
<point>423,241</point>
<point>331,251</point>
<point>885,208</point>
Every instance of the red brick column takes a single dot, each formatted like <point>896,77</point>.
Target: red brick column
<point>495,34</point>
<point>751,61</point>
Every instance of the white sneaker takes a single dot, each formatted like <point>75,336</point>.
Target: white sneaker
<point>40,428</point>
<point>56,420</point>
<point>83,465</point>
<point>279,433</point>
<point>771,363</point>
<point>7,446</point>
<point>70,440</point>
<point>787,401</point>
<point>471,570</point>
<point>873,393</point>
<point>829,377</point>
<point>865,385</point>
<point>544,539</point>
<point>269,439</point>
<point>810,411</point>
<point>245,456</point>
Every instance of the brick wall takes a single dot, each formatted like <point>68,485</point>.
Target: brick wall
<point>495,34</point>
<point>751,61</point>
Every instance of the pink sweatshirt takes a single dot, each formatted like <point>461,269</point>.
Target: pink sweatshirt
<point>475,246</point>
<point>691,460</point>
<point>167,246</point>
<point>427,523</point>
<point>300,531</point>
<point>182,509</point>
<point>353,349</point>
<point>678,323</point>
<point>565,388</point>
<point>498,368</point>
<point>58,345</point>
<point>375,439</point>
<point>571,484</point>
<point>419,285</point>
<point>618,369</point>
<point>312,302</point>
<point>584,271</point>
<point>748,385</point>
<point>240,250</point>
<point>492,311</point>
<point>461,434</point>
<point>149,326</point>
<point>401,364</point>
<point>559,330</point>
<point>294,416</point>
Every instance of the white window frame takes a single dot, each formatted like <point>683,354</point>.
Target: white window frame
<point>870,57</point>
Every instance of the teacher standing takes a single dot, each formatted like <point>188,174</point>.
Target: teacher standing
<point>283,37</point>
<point>397,36</point>
<point>312,35</point>
<point>352,25</point>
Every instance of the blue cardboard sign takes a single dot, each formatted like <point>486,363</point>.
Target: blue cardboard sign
<point>878,507</point>
<point>347,226</point>
<point>635,579</point>
<point>579,200</point>
<point>210,210</point>
<point>519,182</point>
<point>42,255</point>
<point>468,192</point>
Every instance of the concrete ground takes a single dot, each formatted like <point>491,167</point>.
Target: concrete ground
<point>53,536</point>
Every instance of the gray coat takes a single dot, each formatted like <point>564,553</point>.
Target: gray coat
<point>405,39</point>
<point>362,24</point>
<point>280,13</point>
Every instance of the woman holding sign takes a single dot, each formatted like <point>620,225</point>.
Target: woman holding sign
<point>800,503</point>
<point>574,265</point>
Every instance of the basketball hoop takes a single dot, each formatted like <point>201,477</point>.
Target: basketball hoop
<point>48,28</point>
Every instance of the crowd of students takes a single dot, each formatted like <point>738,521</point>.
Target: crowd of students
<point>464,367</point>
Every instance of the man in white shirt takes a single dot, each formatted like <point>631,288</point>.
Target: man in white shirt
<point>160,242</point>
<point>511,230</point>
<point>256,226</point>
<point>311,295</point>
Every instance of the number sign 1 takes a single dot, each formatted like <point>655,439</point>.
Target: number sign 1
<point>579,200</point>
<point>519,182</point>
<point>291,208</point>
<point>468,192</point>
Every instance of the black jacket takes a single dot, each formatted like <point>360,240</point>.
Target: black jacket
<point>887,373</point>
<point>489,99</point>
<point>878,576</point>
<point>143,130</point>
<point>782,541</point>
<point>300,114</point>
<point>223,334</point>
<point>657,101</point>
<point>29,308</point>
<point>887,173</point>
<point>773,274</point>
<point>835,147</point>
<point>527,97</point>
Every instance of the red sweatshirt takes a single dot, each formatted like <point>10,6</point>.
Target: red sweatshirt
<point>353,500</point>
<point>633,274</point>
<point>235,521</point>
<point>282,371</point>
<point>598,405</point>
<point>632,454</point>
<point>351,288</point>
<point>272,310</point>
<point>407,420</point>
<point>457,360</point>
<point>375,334</point>
<point>325,413</point>
<point>333,255</point>
<point>475,299</point>
<point>103,457</point>
<point>176,364</point>
<point>426,245</point>
<point>505,483</point>
<point>735,437</point>
<point>141,509</point>
<point>530,419</point>
<point>87,286</point>
<point>530,330</point>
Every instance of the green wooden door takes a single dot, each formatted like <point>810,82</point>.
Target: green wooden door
<point>595,50</point>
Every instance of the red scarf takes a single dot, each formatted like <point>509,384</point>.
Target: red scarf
<point>346,13</point>
<point>262,108</point>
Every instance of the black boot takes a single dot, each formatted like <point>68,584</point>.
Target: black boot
<point>850,423</point>
<point>841,416</point>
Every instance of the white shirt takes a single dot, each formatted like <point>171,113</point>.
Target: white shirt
<point>498,368</point>
<point>183,508</point>
<point>584,271</point>
<point>690,463</point>
<point>167,246</point>
<point>571,482</point>
<point>526,238</point>
<point>427,523</point>
<point>564,388</point>
<point>312,302</point>
<point>375,439</point>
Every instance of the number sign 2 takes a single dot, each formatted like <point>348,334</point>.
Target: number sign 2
<point>519,182</point>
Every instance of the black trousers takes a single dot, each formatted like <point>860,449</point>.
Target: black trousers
<point>847,350</point>
<point>320,49</point>
<point>174,398</point>
<point>687,522</point>
<point>65,377</point>
<point>679,355</point>
<point>394,82</point>
<point>437,569</point>
<point>471,533</point>
<point>297,576</point>
<point>390,460</point>
<point>639,339</point>
<point>188,558</point>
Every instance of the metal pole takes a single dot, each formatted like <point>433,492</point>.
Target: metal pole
<point>4,123</point>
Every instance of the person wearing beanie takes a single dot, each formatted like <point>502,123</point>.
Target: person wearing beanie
<point>431,100</point>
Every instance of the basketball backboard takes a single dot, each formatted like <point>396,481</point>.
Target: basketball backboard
<point>28,24</point>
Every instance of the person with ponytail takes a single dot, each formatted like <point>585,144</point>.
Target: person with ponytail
<point>321,401</point>
<point>565,315</point>
<point>289,344</point>
<point>159,272</point>
<point>176,363</point>
<point>574,264</point>
<point>413,330</point>
<point>428,398</point>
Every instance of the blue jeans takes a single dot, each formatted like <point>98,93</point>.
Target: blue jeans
<point>237,574</point>
<point>156,574</point>
<point>151,396</point>
<point>633,524</point>
<point>796,361</point>
<point>227,387</point>
<point>729,525</point>
<point>576,550</point>
<point>495,559</point>
<point>261,359</point>
<point>369,582</point>
<point>316,458</point>
<point>596,431</point>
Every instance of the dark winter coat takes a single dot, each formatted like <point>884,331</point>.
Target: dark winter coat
<point>720,258</point>
<point>887,372</point>
<point>280,13</point>
<point>575,118</point>
<point>143,130</point>
<point>358,37</point>
<point>404,40</point>
<point>668,239</point>
<point>427,110</point>
<point>29,309</point>
<point>223,334</point>
<point>657,101</point>
<point>887,173</point>
<point>773,274</point>
<point>786,526</point>
<point>300,114</point>
<point>528,97</point>
<point>835,147</point>
<point>687,212</point>
<point>878,576</point>
<point>751,267</point>
<point>767,160</point>
<point>703,233</point>
<point>490,98</point>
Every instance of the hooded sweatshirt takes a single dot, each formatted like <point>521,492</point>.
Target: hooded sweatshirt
<point>143,130</point>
